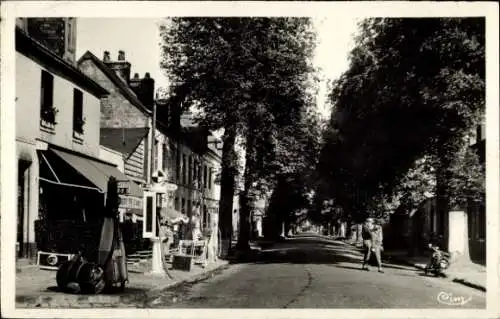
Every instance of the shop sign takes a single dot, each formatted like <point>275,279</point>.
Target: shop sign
<point>123,188</point>
<point>130,202</point>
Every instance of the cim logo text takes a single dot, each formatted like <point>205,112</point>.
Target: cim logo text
<point>447,298</point>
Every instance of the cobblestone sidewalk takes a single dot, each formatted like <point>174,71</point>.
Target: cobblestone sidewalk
<point>37,288</point>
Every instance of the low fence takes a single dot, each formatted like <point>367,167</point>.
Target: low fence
<point>68,237</point>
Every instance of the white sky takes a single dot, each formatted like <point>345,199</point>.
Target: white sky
<point>138,37</point>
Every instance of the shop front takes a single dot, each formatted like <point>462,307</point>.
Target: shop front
<point>131,218</point>
<point>72,194</point>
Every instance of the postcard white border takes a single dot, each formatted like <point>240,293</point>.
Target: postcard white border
<point>11,9</point>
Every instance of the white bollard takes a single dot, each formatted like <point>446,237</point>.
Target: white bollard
<point>157,260</point>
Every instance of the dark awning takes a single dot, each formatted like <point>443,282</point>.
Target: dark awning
<point>98,173</point>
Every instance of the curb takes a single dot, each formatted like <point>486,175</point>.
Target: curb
<point>205,275</point>
<point>469,284</point>
<point>138,299</point>
<point>461,281</point>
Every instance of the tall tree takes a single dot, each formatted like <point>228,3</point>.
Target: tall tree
<point>248,76</point>
<point>414,89</point>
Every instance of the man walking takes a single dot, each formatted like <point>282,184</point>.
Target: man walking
<point>366,234</point>
<point>372,242</point>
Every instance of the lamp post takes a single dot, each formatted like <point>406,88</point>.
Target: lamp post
<point>157,268</point>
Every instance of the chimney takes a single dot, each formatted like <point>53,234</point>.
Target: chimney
<point>121,66</point>
<point>121,55</point>
<point>144,89</point>
<point>148,89</point>
<point>106,58</point>
<point>135,84</point>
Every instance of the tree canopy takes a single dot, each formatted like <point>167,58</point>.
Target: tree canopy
<point>252,77</point>
<point>414,90</point>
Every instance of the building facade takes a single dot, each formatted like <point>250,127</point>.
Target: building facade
<point>125,123</point>
<point>171,151</point>
<point>194,162</point>
<point>62,182</point>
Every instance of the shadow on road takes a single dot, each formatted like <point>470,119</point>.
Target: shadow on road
<point>312,249</point>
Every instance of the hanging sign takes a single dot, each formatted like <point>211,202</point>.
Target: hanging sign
<point>149,218</point>
<point>123,188</point>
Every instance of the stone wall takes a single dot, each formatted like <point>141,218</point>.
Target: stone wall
<point>116,109</point>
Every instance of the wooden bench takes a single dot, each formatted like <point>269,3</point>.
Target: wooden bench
<point>190,252</point>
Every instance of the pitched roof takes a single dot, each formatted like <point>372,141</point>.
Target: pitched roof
<point>35,50</point>
<point>122,86</point>
<point>123,140</point>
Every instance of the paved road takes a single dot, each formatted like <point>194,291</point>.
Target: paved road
<point>312,272</point>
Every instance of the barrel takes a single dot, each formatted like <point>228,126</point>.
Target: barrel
<point>88,276</point>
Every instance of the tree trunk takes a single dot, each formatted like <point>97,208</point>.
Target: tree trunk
<point>246,196</point>
<point>359,233</point>
<point>273,219</point>
<point>227,190</point>
<point>244,233</point>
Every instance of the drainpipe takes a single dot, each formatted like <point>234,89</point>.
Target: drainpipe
<point>153,140</point>
<point>149,157</point>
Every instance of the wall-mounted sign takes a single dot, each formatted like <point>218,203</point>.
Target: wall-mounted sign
<point>130,202</point>
<point>49,32</point>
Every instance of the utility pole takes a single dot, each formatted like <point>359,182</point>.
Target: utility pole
<point>157,268</point>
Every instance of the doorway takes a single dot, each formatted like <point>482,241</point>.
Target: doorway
<point>22,196</point>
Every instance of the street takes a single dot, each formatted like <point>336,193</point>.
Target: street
<point>313,272</point>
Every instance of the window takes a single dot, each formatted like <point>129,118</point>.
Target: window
<point>190,172</point>
<point>205,176</point>
<point>155,163</point>
<point>210,178</point>
<point>189,207</point>
<point>165,157</point>
<point>183,169</point>
<point>78,120</point>
<point>47,110</point>
<point>183,207</point>
<point>176,203</point>
<point>199,175</point>
<point>177,161</point>
<point>195,170</point>
<point>205,217</point>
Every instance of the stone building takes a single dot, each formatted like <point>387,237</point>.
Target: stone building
<point>195,163</point>
<point>125,122</point>
<point>177,152</point>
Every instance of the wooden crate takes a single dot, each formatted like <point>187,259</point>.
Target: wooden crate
<point>182,262</point>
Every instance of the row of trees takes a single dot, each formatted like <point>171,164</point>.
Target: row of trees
<point>403,115</point>
<point>253,78</point>
<point>401,120</point>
